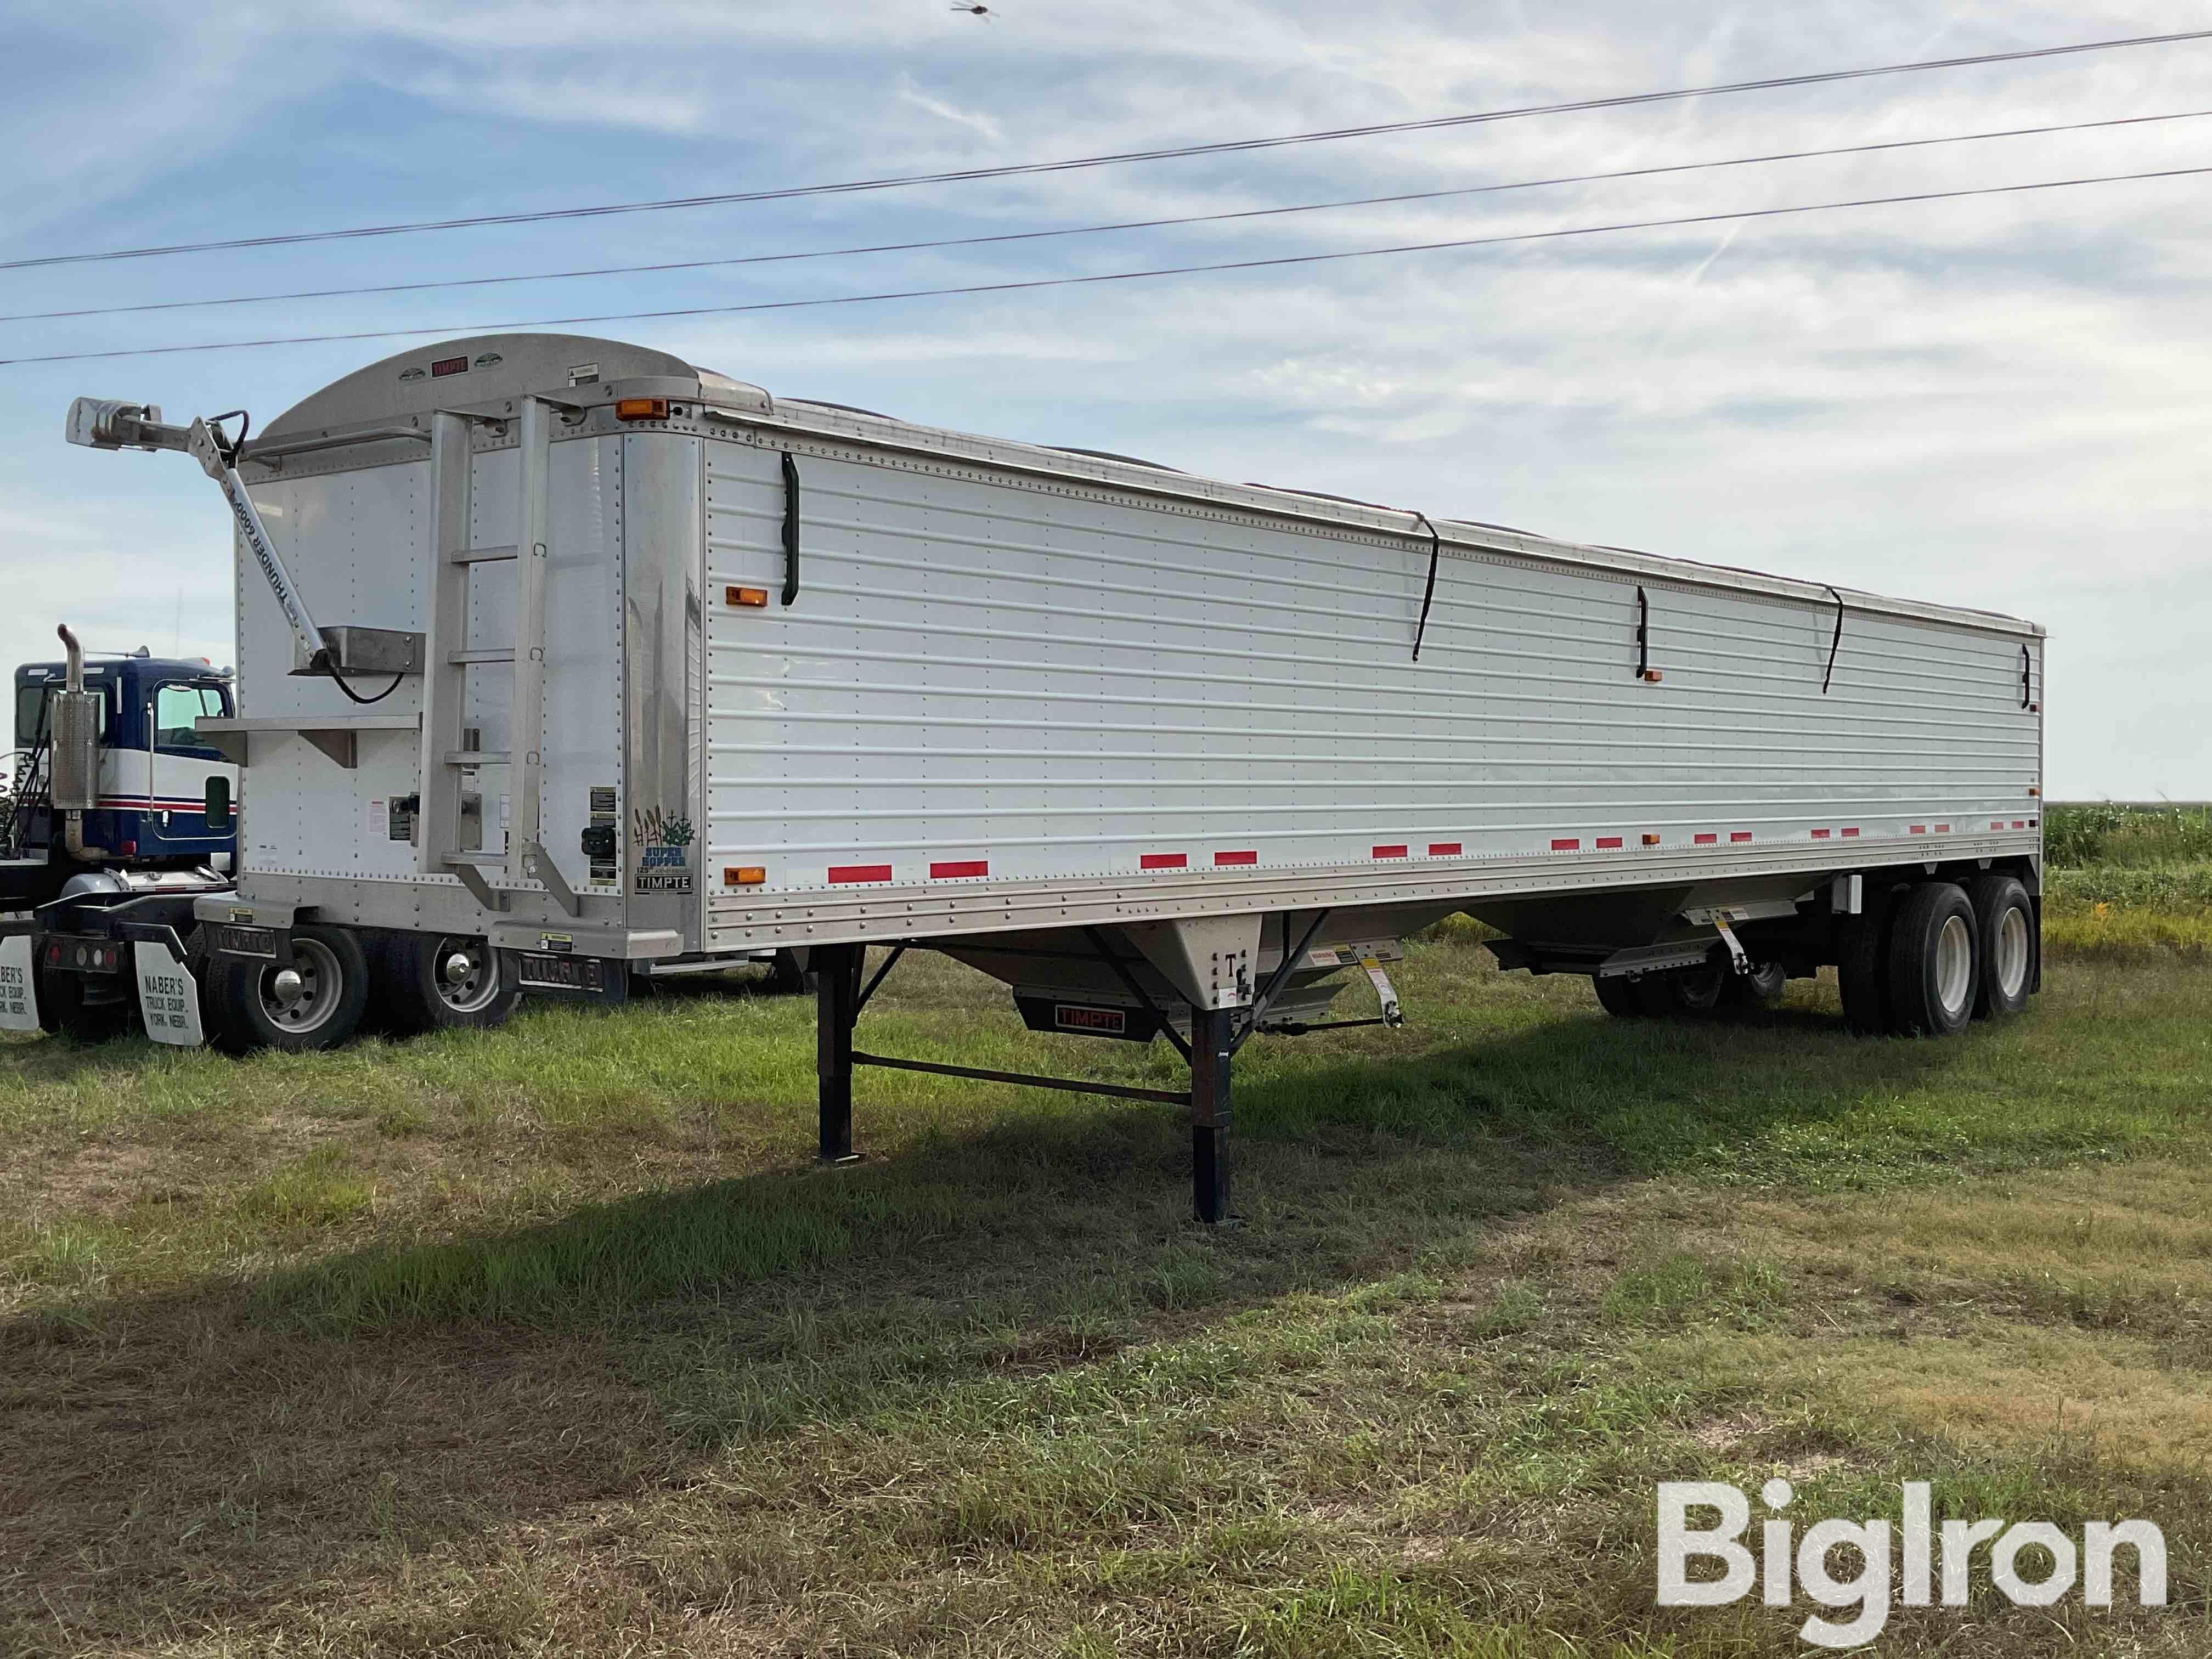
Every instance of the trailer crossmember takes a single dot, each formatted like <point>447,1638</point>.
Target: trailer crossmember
<point>1027,1080</point>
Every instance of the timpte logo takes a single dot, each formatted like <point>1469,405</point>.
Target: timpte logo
<point>1073,1016</point>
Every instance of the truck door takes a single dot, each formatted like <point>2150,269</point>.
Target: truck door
<point>179,762</point>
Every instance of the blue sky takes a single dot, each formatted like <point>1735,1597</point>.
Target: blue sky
<point>1999,402</point>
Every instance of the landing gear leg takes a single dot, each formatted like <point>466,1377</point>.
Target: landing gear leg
<point>1211,1045</point>
<point>837,1006</point>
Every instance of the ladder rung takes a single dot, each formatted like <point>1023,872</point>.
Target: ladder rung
<point>476,757</point>
<point>462,658</point>
<point>481,555</point>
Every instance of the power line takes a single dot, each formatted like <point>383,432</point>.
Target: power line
<point>460,329</point>
<point>1026,169</point>
<point>1093,230</point>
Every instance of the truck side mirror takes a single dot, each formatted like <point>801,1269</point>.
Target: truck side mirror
<point>218,805</point>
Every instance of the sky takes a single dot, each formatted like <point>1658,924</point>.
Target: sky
<point>1999,402</point>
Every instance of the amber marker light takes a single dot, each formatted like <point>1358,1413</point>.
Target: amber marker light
<point>748,596</point>
<point>641,409</point>
<point>744,875</point>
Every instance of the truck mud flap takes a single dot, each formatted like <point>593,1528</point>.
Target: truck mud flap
<point>572,978</point>
<point>168,994</point>
<point>19,993</point>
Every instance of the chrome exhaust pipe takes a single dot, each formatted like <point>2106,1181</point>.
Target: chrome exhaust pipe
<point>73,765</point>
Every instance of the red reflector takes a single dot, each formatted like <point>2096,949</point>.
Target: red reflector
<point>1236,858</point>
<point>128,849</point>
<point>1706,841</point>
<point>1851,831</point>
<point>1164,860</point>
<point>1998,824</point>
<point>1607,841</point>
<point>2020,823</point>
<point>844,872</point>
<point>1942,828</point>
<point>1397,851</point>
<point>1919,829</point>
<point>1821,835</point>
<point>1570,846</point>
<point>958,868</point>
<point>2032,823</point>
<point>1443,849</point>
<point>1739,835</point>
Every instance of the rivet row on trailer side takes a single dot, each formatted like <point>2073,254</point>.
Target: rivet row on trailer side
<point>564,661</point>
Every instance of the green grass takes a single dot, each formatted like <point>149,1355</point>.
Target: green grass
<point>2078,833</point>
<point>551,1340</point>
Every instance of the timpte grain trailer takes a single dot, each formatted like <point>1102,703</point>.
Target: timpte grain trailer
<point>624,666</point>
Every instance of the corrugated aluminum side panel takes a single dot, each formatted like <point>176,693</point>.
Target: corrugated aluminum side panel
<point>989,678</point>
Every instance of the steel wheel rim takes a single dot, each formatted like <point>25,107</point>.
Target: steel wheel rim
<point>322,986</point>
<point>478,989</point>
<point>1954,964</point>
<point>2012,953</point>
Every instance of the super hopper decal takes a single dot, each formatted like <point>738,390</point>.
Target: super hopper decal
<point>664,862</point>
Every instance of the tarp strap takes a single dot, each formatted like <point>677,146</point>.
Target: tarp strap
<point>1429,593</point>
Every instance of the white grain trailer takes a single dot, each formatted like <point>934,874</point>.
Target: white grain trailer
<point>627,665</point>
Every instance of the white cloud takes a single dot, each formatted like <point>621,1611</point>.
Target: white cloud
<point>1994,402</point>
<point>910,94</point>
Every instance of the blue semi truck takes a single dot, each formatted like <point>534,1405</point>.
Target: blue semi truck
<point>120,813</point>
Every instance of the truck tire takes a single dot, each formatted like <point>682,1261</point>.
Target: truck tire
<point>1626,996</point>
<point>2011,944</point>
<point>320,1007</point>
<point>442,981</point>
<point>65,1010</point>
<point>1934,960</point>
<point>1863,963</point>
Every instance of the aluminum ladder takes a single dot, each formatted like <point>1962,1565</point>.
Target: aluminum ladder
<point>448,661</point>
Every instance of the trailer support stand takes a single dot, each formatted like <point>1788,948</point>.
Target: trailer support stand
<point>837,1006</point>
<point>1212,1048</point>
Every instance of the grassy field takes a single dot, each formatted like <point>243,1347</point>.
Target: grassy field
<point>549,1340</point>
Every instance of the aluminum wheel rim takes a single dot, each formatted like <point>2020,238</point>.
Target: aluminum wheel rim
<point>322,983</point>
<point>1954,964</point>
<point>477,989</point>
<point>2012,953</point>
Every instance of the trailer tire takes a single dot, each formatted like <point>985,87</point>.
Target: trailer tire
<point>1935,961</point>
<point>785,977</point>
<point>416,989</point>
<point>64,1011</point>
<point>1632,996</point>
<point>2011,945</point>
<point>1762,988</point>
<point>1862,964</point>
<point>250,1008</point>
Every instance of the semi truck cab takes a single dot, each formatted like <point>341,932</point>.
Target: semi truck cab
<point>152,811</point>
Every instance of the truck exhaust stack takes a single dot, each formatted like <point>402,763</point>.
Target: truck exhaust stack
<point>75,764</point>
